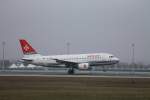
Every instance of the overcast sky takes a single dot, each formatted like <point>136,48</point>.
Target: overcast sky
<point>89,25</point>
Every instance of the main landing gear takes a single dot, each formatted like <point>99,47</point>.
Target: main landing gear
<point>71,71</point>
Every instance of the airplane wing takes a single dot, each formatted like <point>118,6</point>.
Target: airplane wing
<point>69,63</point>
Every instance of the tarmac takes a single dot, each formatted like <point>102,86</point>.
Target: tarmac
<point>63,73</point>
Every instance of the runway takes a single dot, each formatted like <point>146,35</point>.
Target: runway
<point>81,76</point>
<point>63,73</point>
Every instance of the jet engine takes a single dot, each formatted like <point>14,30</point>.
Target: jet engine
<point>83,66</point>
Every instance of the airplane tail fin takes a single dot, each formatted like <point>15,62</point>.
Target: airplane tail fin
<point>27,48</point>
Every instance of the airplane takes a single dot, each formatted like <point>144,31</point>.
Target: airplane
<point>70,61</point>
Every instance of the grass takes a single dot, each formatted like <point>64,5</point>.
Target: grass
<point>58,88</point>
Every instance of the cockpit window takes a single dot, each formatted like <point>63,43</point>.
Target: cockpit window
<point>111,56</point>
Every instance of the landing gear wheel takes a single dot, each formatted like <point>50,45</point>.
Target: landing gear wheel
<point>71,71</point>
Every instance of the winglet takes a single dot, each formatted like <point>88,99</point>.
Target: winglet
<point>26,47</point>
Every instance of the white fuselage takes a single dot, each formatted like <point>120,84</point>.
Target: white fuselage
<point>92,59</point>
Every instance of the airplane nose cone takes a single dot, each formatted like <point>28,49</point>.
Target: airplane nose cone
<point>116,60</point>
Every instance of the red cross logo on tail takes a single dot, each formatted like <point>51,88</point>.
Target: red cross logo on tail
<point>26,48</point>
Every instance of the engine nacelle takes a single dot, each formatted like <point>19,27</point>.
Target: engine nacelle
<point>83,66</point>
